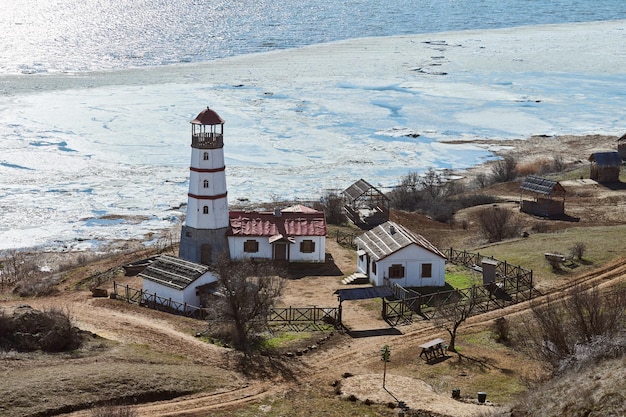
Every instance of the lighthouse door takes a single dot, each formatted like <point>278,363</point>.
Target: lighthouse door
<point>205,254</point>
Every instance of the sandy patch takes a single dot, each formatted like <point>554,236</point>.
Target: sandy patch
<point>415,393</point>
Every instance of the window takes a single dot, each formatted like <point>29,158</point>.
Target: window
<point>427,270</point>
<point>251,246</point>
<point>396,271</point>
<point>307,246</point>
<point>206,156</point>
<point>373,267</point>
<point>205,209</point>
<point>206,183</point>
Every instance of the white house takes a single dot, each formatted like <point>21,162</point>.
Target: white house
<point>390,253</point>
<point>294,234</point>
<point>174,278</point>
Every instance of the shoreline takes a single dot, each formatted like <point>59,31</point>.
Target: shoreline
<point>573,149</point>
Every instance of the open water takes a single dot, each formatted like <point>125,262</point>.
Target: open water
<point>94,131</point>
<point>87,35</point>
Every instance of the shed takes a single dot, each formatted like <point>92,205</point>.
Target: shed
<point>621,147</point>
<point>177,279</point>
<point>605,167</point>
<point>548,197</point>
<point>365,205</point>
<point>390,253</point>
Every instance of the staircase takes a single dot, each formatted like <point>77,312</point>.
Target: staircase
<point>357,278</point>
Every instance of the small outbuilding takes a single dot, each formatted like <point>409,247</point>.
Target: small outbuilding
<point>621,147</point>
<point>390,253</point>
<point>175,279</point>
<point>548,197</point>
<point>365,205</point>
<point>605,167</point>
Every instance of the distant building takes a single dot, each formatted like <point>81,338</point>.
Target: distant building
<point>605,167</point>
<point>548,197</point>
<point>390,253</point>
<point>621,147</point>
<point>365,205</point>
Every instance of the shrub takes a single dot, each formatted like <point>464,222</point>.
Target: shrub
<point>498,223</point>
<point>578,250</point>
<point>501,329</point>
<point>504,170</point>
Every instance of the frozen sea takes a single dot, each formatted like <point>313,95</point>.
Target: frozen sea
<point>96,98</point>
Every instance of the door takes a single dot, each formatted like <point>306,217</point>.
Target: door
<point>205,254</point>
<point>280,251</point>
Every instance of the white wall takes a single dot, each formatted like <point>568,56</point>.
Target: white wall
<point>412,257</point>
<point>186,295</point>
<point>235,244</point>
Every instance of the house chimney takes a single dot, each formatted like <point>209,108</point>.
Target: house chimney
<point>392,230</point>
<point>277,212</point>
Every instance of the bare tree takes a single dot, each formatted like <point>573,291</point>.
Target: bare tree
<point>332,205</point>
<point>451,315</point>
<point>406,195</point>
<point>498,223</point>
<point>248,292</point>
<point>504,169</point>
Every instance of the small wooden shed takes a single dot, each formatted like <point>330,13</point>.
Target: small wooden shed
<point>605,167</point>
<point>548,197</point>
<point>365,205</point>
<point>621,147</point>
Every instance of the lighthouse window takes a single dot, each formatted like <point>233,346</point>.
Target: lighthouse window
<point>307,246</point>
<point>205,210</point>
<point>206,183</point>
<point>206,156</point>
<point>250,246</point>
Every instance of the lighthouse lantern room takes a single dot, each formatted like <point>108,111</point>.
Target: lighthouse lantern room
<point>203,236</point>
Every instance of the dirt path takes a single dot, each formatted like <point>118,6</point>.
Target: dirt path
<point>354,355</point>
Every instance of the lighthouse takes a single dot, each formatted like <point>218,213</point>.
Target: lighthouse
<point>203,235</point>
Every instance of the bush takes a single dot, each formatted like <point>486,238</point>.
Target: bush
<point>578,250</point>
<point>504,170</point>
<point>29,330</point>
<point>561,327</point>
<point>498,223</point>
<point>501,329</point>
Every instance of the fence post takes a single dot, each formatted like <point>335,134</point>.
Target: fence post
<point>127,294</point>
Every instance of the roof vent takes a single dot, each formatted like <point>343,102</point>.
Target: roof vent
<point>392,230</point>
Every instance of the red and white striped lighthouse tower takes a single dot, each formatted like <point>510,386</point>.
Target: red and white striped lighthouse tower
<point>203,236</point>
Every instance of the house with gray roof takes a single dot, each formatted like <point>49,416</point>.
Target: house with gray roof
<point>390,253</point>
<point>176,279</point>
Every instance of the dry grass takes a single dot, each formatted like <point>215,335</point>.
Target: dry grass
<point>101,374</point>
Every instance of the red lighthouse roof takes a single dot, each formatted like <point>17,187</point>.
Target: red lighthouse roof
<point>207,117</point>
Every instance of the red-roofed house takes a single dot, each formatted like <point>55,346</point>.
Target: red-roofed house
<point>294,234</point>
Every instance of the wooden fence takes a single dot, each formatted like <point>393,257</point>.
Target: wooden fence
<point>292,318</point>
<point>513,284</point>
<point>153,301</point>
